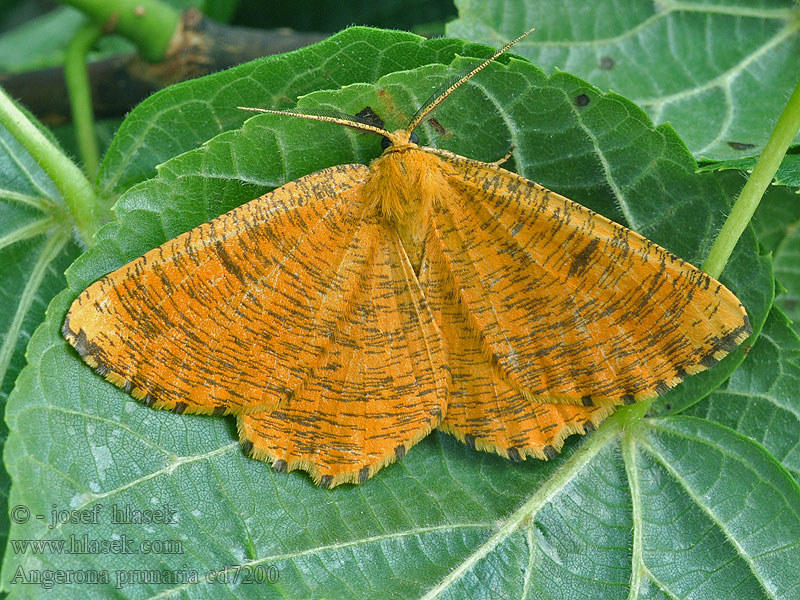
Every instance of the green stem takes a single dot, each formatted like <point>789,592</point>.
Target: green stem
<point>65,174</point>
<point>150,24</point>
<point>76,75</point>
<point>765,169</point>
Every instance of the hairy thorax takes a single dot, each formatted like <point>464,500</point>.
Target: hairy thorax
<point>405,184</point>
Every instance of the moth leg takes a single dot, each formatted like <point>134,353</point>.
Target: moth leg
<point>500,161</point>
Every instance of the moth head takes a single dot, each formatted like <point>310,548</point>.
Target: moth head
<point>401,137</point>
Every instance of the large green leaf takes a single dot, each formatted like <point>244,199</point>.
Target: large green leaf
<point>719,71</point>
<point>447,520</point>
<point>35,248</point>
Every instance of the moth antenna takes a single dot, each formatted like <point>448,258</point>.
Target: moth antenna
<point>338,118</point>
<point>435,101</point>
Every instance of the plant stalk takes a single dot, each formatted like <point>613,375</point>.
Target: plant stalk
<point>746,204</point>
<point>65,174</point>
<point>150,24</point>
<point>76,76</point>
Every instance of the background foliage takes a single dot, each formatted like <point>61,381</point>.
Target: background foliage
<point>699,499</point>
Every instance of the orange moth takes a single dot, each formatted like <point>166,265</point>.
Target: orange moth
<point>345,315</point>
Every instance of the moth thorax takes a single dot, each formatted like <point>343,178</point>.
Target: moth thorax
<point>405,183</point>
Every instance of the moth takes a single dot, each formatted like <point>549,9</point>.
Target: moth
<point>345,315</point>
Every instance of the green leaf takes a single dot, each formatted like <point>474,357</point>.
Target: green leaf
<point>777,223</point>
<point>35,249</point>
<point>184,116</point>
<point>447,518</point>
<point>720,72</point>
<point>707,497</point>
<point>760,400</point>
<point>778,212</point>
<point>788,173</point>
<point>787,269</point>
